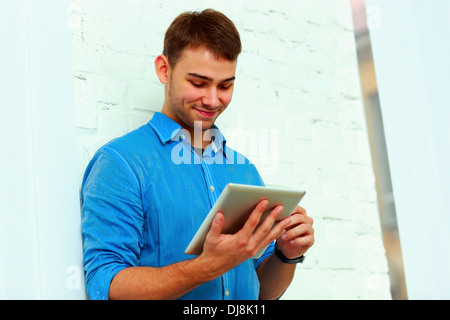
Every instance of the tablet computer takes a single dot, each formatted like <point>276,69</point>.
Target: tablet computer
<point>237,202</point>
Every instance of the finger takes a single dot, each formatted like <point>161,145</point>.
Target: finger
<point>267,231</point>
<point>278,230</point>
<point>216,227</point>
<point>268,223</point>
<point>300,230</point>
<point>306,241</point>
<point>253,221</point>
<point>299,210</point>
<point>296,219</point>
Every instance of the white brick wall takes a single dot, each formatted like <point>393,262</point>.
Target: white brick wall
<point>297,92</point>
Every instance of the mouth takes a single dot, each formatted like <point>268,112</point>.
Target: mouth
<point>206,113</point>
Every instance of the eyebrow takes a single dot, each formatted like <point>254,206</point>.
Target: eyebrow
<point>196,75</point>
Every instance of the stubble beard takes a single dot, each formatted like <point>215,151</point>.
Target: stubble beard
<point>176,106</point>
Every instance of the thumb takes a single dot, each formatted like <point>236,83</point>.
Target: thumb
<point>216,225</point>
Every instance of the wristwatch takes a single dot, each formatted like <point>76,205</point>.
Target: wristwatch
<point>283,258</point>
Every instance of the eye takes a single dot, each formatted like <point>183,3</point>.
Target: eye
<point>197,85</point>
<point>225,87</point>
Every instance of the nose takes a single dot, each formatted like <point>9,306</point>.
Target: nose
<point>211,98</point>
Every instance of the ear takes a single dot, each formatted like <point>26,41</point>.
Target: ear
<point>162,68</point>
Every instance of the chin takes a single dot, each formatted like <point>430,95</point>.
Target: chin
<point>205,124</point>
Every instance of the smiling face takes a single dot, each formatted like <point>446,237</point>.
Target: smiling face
<point>198,88</point>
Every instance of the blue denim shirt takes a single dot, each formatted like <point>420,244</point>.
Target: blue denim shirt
<point>143,197</point>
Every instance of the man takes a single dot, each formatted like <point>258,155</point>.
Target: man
<point>141,205</point>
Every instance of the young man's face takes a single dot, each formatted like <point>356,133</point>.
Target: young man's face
<point>199,88</point>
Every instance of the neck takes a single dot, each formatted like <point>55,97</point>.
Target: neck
<point>198,138</point>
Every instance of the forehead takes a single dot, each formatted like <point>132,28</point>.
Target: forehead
<point>202,61</point>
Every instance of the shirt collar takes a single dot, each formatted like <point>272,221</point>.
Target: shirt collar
<point>167,130</point>
<point>164,127</point>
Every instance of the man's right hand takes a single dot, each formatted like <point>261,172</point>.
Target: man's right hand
<point>223,252</point>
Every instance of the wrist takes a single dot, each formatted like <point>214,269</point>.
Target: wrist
<point>280,255</point>
<point>207,267</point>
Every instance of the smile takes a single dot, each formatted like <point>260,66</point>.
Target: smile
<point>205,113</point>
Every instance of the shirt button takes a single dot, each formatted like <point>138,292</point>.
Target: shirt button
<point>211,188</point>
<point>182,137</point>
<point>227,293</point>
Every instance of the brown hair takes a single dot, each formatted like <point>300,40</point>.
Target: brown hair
<point>208,28</point>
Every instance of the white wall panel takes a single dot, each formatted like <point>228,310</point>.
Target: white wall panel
<point>411,54</point>
<point>40,243</point>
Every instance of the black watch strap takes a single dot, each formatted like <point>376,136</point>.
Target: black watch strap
<point>283,258</point>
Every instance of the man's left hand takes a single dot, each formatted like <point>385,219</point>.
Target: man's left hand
<point>299,235</point>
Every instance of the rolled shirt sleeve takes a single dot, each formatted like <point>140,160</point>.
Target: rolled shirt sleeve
<point>112,219</point>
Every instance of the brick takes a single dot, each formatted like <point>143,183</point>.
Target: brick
<point>298,127</point>
<point>106,90</point>
<point>326,134</point>
<point>357,140</point>
<point>372,254</point>
<point>255,68</point>
<point>137,118</point>
<point>294,101</point>
<point>363,183</point>
<point>146,96</point>
<point>252,23</point>
<point>340,258</point>
<point>348,85</point>
<point>124,66</point>
<point>376,287</point>
<point>276,173</point>
<point>310,285</point>
<point>307,179</point>
<point>110,120</point>
<point>80,88</point>
<point>88,58</point>
<point>347,284</point>
<point>86,115</point>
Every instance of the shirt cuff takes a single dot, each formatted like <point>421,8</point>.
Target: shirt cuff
<point>98,286</point>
